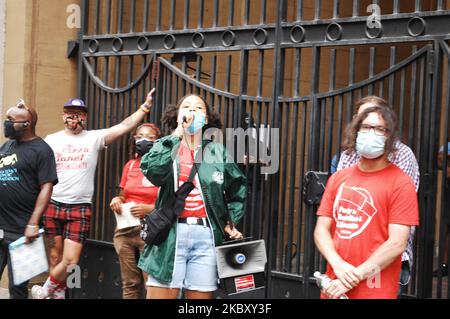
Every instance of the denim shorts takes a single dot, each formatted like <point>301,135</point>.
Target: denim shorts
<point>195,262</point>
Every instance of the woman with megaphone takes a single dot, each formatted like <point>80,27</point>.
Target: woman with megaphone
<point>186,258</point>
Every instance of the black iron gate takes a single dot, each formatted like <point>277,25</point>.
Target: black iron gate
<point>296,66</point>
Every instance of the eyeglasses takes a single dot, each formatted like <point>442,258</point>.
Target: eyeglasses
<point>379,130</point>
<point>21,105</point>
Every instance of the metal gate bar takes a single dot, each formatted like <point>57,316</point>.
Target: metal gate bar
<point>246,57</point>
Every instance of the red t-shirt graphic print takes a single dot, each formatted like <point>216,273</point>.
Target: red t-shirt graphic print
<point>353,211</point>
<point>362,205</point>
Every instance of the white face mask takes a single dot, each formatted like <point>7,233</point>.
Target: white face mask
<point>370,145</point>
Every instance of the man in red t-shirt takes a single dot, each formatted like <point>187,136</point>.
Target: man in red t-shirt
<point>366,213</point>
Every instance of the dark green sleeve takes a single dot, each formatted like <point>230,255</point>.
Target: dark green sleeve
<point>156,165</point>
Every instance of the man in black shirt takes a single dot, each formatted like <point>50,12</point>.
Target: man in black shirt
<point>27,176</point>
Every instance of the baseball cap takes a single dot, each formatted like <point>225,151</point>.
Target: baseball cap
<point>77,103</point>
<point>441,149</point>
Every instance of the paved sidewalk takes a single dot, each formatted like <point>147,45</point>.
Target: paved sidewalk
<point>4,293</point>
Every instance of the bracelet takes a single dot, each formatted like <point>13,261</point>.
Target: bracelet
<point>145,107</point>
<point>32,226</point>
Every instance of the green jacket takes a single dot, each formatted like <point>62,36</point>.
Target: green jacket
<point>220,177</point>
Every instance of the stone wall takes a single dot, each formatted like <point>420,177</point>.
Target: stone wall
<point>35,63</point>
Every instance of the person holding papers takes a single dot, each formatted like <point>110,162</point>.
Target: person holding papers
<point>27,177</point>
<point>136,199</point>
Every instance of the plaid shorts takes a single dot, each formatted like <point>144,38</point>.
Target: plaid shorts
<point>72,221</point>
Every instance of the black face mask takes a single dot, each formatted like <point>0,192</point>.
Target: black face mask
<point>11,132</point>
<point>143,146</point>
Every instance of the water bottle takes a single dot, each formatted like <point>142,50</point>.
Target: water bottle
<point>323,282</point>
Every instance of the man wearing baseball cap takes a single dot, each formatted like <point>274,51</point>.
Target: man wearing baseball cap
<point>67,219</point>
<point>75,115</point>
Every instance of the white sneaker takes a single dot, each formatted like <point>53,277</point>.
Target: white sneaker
<point>59,294</point>
<point>37,292</point>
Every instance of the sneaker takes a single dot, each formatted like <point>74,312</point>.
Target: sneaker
<point>444,271</point>
<point>37,292</point>
<point>59,294</point>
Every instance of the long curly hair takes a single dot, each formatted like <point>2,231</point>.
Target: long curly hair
<point>171,114</point>
<point>390,119</point>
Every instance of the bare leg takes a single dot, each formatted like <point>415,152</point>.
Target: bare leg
<point>192,294</point>
<point>162,293</point>
<point>54,286</point>
<point>71,256</point>
<point>55,250</point>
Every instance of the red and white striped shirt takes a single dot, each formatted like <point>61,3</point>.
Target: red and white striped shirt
<point>194,205</point>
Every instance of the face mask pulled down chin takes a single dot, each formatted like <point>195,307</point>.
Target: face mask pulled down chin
<point>10,131</point>
<point>369,145</point>
<point>143,146</point>
<point>197,124</point>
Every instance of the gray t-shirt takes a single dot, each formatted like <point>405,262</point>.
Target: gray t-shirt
<point>76,160</point>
